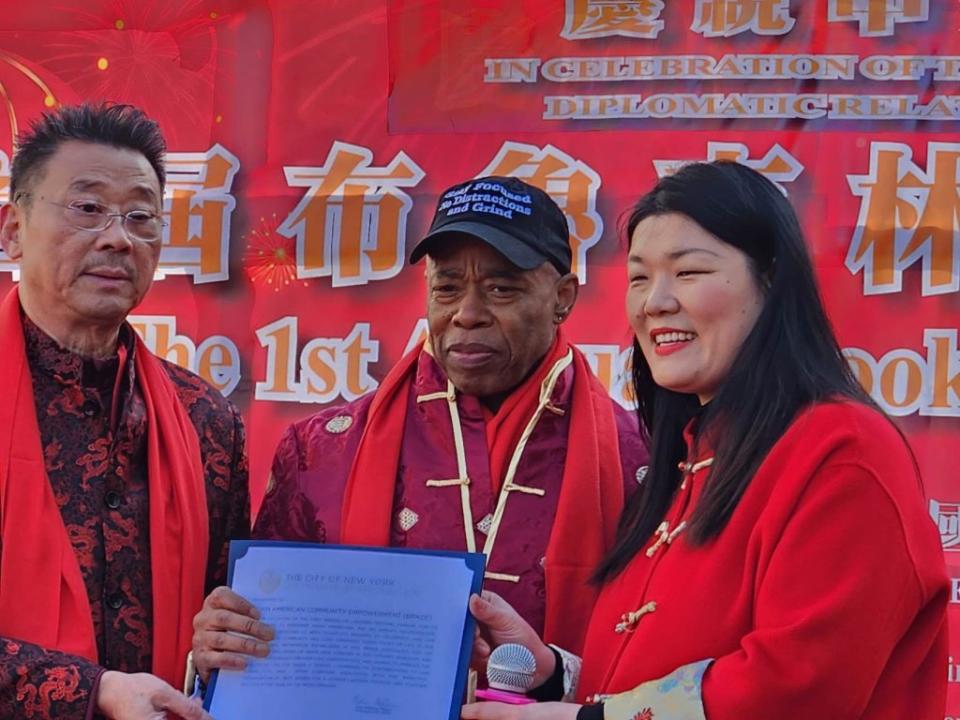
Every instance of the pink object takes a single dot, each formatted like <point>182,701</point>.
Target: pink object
<point>504,697</point>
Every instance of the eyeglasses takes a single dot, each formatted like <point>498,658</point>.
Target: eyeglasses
<point>140,225</point>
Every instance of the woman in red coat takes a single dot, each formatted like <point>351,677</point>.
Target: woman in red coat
<point>778,561</point>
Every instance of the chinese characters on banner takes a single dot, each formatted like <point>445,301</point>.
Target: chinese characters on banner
<point>304,167</point>
<point>351,224</point>
<point>198,205</point>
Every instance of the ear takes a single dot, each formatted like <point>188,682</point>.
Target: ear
<point>567,288</point>
<point>10,222</point>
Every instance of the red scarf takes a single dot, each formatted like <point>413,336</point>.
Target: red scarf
<point>43,599</point>
<point>590,500</point>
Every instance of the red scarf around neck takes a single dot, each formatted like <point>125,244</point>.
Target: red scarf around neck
<point>43,599</point>
<point>591,497</point>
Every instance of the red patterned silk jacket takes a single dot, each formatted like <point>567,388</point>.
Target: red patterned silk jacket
<point>92,425</point>
<point>305,494</point>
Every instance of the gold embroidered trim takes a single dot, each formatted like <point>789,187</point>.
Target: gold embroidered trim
<point>432,396</point>
<point>676,531</point>
<point>629,621</point>
<point>529,490</point>
<point>550,407</point>
<point>501,576</point>
<point>448,483</point>
<point>698,466</point>
<point>546,391</point>
<point>691,468</point>
<point>662,534</point>
<point>666,536</point>
<point>464,480</point>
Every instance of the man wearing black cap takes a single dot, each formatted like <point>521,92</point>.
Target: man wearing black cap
<point>491,436</point>
<point>510,240</point>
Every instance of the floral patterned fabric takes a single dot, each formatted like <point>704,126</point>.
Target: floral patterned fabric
<point>93,429</point>
<point>676,696</point>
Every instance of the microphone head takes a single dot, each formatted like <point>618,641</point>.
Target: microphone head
<point>511,668</point>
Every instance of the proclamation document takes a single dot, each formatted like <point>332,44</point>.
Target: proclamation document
<point>364,633</point>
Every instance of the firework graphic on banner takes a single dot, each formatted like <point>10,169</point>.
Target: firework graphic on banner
<point>270,259</point>
<point>24,94</point>
<point>157,55</point>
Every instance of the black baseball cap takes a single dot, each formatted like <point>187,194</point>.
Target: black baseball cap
<point>516,219</point>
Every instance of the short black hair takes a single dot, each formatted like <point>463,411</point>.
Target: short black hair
<point>123,126</point>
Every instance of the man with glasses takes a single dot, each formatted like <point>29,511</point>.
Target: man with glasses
<point>122,476</point>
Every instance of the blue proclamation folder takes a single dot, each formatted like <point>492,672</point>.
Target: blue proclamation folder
<point>362,633</point>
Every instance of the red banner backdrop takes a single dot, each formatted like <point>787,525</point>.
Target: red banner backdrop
<point>309,141</point>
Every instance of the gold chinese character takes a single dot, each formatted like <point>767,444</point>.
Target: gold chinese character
<point>908,215</point>
<point>571,183</point>
<point>198,206</point>
<point>878,17</point>
<point>586,19</point>
<point>723,18</point>
<point>351,223</point>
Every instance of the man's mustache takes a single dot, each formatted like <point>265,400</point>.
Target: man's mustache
<point>108,266</point>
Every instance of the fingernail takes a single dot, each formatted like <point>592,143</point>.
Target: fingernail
<point>254,613</point>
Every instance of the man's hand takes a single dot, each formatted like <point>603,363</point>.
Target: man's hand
<point>503,711</point>
<point>141,696</point>
<point>214,644</point>
<point>499,624</point>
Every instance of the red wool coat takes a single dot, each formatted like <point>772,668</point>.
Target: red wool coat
<point>824,597</point>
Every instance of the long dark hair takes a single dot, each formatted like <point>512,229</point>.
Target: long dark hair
<point>788,360</point>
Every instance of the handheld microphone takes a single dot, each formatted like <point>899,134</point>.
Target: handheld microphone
<point>510,672</point>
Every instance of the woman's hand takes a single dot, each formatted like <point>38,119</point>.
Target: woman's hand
<point>536,711</point>
<point>500,624</point>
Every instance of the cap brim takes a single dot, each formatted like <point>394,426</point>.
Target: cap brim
<point>521,255</point>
